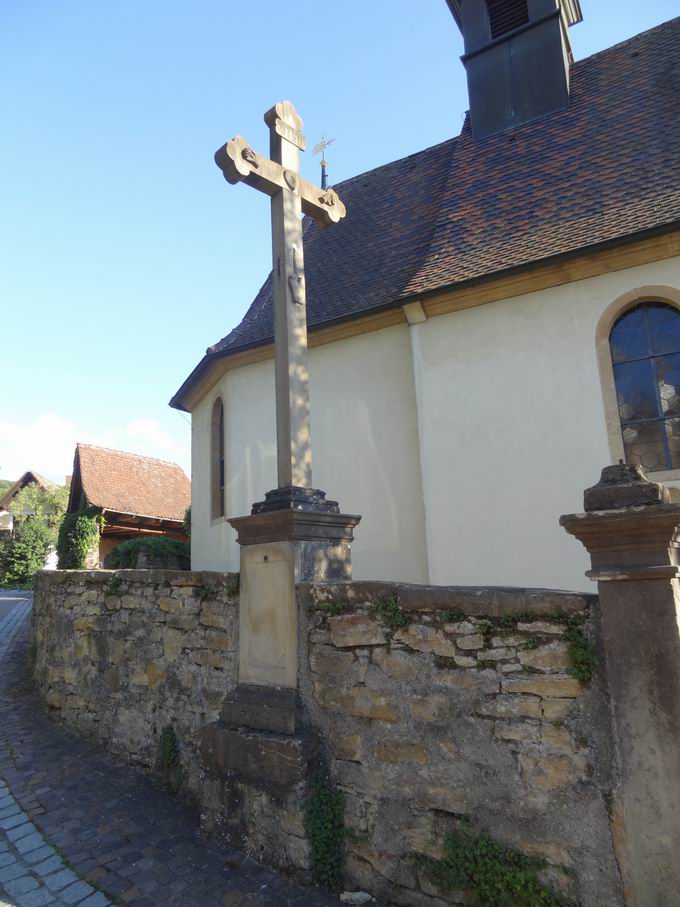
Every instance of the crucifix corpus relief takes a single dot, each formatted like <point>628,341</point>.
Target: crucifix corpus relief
<point>291,196</point>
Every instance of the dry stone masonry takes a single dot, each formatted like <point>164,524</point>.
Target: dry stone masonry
<point>121,655</point>
<point>468,711</point>
<point>429,709</point>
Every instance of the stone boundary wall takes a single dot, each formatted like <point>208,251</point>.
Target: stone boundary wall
<point>431,707</point>
<point>466,711</point>
<point>119,655</point>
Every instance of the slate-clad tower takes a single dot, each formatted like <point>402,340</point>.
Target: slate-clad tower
<point>517,57</point>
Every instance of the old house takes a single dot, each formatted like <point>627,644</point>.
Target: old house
<point>28,478</point>
<point>137,496</point>
<point>496,318</point>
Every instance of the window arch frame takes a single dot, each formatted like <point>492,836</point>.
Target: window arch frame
<point>217,460</point>
<point>622,304</point>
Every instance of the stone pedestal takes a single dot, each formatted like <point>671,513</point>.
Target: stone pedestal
<point>304,539</point>
<point>262,750</point>
<point>631,531</point>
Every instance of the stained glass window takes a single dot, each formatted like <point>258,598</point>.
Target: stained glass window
<point>645,348</point>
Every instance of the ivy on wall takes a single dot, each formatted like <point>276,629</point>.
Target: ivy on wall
<point>78,535</point>
<point>498,876</point>
<point>169,764</point>
<point>324,821</point>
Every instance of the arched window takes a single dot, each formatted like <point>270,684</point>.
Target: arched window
<point>217,460</point>
<point>645,352</point>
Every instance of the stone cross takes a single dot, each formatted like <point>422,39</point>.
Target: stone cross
<point>291,195</point>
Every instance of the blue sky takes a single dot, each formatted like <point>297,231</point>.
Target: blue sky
<point>123,253</point>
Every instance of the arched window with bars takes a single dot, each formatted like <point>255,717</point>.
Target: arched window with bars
<point>217,460</point>
<point>644,345</point>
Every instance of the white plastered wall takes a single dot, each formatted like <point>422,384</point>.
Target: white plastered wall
<point>365,452</point>
<point>468,487</point>
<point>513,430</point>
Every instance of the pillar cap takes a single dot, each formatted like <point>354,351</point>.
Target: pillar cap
<point>624,486</point>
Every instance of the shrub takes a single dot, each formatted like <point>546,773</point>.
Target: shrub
<point>25,553</point>
<point>158,549</point>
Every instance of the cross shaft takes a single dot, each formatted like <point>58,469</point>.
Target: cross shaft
<point>291,195</point>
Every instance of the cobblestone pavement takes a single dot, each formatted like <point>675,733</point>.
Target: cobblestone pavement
<point>79,827</point>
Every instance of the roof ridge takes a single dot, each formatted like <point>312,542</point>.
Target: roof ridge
<point>128,453</point>
<point>620,44</point>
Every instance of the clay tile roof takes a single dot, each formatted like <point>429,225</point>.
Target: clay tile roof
<point>130,483</point>
<point>605,169</point>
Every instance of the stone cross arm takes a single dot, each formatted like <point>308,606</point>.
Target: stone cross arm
<point>239,163</point>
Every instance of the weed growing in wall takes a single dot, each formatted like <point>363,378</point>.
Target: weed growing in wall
<point>389,612</point>
<point>114,586</point>
<point>498,876</point>
<point>208,592</point>
<point>453,616</point>
<point>325,828</point>
<point>169,764</point>
<point>334,609</point>
<point>581,652</point>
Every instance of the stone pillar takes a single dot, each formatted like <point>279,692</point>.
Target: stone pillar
<point>279,549</point>
<point>631,529</point>
<point>262,744</point>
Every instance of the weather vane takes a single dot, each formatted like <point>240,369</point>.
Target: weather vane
<point>320,148</point>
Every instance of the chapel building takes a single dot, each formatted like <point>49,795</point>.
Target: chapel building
<point>495,320</point>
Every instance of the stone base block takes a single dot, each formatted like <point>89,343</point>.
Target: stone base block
<point>273,709</point>
<point>269,761</point>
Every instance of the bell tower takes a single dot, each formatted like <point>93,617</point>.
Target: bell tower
<point>517,58</point>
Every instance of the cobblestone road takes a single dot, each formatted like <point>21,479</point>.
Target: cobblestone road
<point>78,827</point>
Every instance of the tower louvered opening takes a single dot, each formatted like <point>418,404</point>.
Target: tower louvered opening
<point>506,15</point>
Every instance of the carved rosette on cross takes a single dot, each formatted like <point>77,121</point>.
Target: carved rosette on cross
<point>240,163</point>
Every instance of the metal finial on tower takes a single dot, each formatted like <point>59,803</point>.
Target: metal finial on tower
<point>321,148</point>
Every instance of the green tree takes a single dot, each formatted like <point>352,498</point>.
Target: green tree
<point>24,554</point>
<point>44,505</point>
<point>37,514</point>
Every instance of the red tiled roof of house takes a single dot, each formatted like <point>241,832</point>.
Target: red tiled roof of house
<point>605,169</point>
<point>130,483</point>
